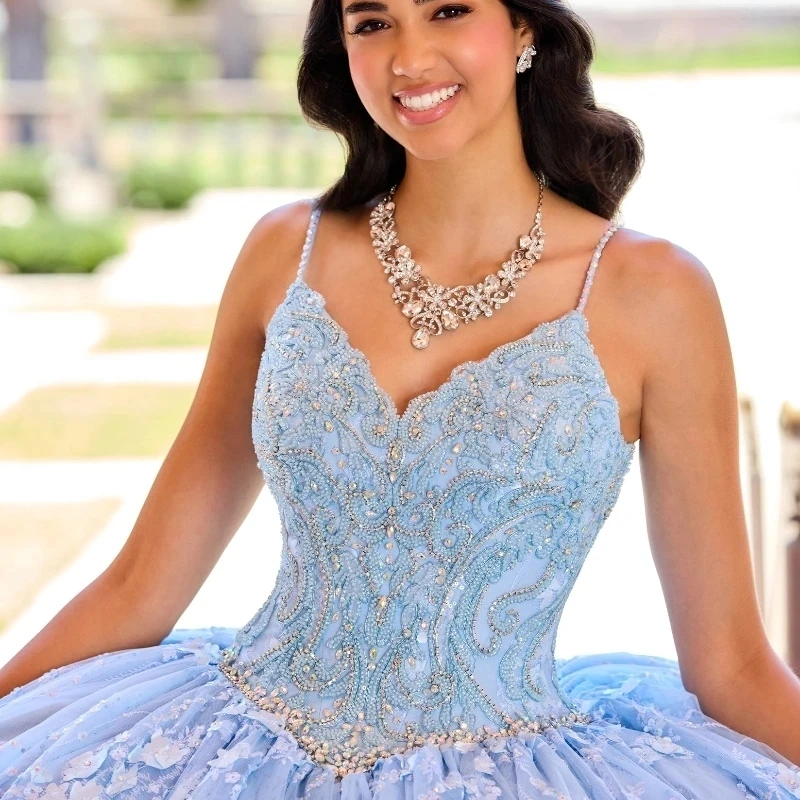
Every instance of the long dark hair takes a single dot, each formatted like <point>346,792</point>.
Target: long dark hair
<point>586,154</point>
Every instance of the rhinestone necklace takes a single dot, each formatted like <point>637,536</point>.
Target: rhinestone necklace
<point>431,307</point>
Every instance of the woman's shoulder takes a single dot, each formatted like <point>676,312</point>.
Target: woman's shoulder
<point>661,279</point>
<point>270,255</point>
<point>268,258</point>
<point>667,305</point>
<point>271,251</point>
<point>285,226</point>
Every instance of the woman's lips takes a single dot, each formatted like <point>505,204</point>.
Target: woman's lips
<point>431,114</point>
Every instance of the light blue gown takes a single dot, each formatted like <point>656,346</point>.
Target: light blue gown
<point>407,648</point>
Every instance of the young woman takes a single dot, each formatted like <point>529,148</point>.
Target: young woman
<point>407,362</point>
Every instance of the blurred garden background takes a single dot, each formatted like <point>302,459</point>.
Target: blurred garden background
<point>140,142</point>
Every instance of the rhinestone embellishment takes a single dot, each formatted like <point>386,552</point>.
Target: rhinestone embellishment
<point>398,617</point>
<point>431,307</point>
<point>346,759</point>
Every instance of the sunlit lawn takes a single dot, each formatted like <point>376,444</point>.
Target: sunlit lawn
<point>94,421</point>
<point>754,52</point>
<point>158,327</point>
<point>38,541</point>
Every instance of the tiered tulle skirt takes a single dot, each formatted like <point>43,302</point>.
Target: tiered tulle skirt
<point>164,722</point>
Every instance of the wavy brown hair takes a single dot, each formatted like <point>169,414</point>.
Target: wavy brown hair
<point>586,154</point>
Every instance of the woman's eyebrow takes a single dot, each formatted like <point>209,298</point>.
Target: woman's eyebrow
<point>374,5</point>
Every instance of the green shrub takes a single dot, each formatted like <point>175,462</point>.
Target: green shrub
<point>52,244</point>
<point>24,170</point>
<point>188,5</point>
<point>150,66</point>
<point>160,186</point>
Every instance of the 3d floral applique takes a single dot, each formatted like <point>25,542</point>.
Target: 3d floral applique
<point>121,779</point>
<point>84,765</point>
<point>226,758</point>
<point>54,792</point>
<point>483,763</point>
<point>159,752</point>
<point>789,778</point>
<point>650,748</point>
<point>91,790</point>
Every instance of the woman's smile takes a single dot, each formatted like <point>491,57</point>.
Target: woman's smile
<point>417,110</point>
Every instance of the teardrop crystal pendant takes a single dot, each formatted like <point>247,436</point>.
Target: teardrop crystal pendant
<point>420,338</point>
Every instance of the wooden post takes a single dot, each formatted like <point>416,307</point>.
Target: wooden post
<point>26,56</point>
<point>753,479</point>
<point>790,514</point>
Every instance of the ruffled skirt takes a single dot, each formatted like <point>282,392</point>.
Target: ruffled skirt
<point>164,721</point>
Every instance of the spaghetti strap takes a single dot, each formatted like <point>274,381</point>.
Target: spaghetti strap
<point>593,265</point>
<point>310,235</point>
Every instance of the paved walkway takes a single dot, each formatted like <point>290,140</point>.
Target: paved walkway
<point>719,180</point>
<point>42,348</point>
<point>237,586</point>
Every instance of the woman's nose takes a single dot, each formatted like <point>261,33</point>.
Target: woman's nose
<point>413,55</point>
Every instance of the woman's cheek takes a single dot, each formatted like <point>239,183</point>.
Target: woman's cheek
<point>478,48</point>
<point>365,72</point>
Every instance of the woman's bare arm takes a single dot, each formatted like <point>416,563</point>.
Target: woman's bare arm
<point>205,488</point>
<point>689,458</point>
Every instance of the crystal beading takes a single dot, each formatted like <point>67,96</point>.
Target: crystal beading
<point>349,758</point>
<point>427,555</point>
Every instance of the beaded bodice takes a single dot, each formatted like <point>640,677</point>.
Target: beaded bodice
<point>427,556</point>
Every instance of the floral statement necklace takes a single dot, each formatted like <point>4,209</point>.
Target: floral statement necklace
<point>431,307</point>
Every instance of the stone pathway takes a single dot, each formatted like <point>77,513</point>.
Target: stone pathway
<point>42,348</point>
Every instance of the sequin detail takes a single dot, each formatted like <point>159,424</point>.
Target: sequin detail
<point>348,757</point>
<point>427,555</point>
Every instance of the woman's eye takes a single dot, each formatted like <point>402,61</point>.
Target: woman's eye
<point>362,28</point>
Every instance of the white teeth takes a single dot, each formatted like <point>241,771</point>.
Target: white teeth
<point>426,101</point>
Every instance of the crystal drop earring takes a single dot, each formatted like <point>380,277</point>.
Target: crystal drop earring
<point>526,58</point>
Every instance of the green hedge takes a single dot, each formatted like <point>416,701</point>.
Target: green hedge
<point>24,170</point>
<point>160,186</point>
<point>50,244</point>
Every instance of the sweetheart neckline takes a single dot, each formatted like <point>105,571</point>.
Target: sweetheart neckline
<point>478,364</point>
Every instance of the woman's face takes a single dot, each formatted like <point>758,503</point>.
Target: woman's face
<point>407,45</point>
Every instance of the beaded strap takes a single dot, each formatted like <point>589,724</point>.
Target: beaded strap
<point>309,242</point>
<point>593,265</point>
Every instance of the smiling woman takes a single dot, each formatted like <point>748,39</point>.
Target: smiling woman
<point>352,76</point>
<point>439,491</point>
